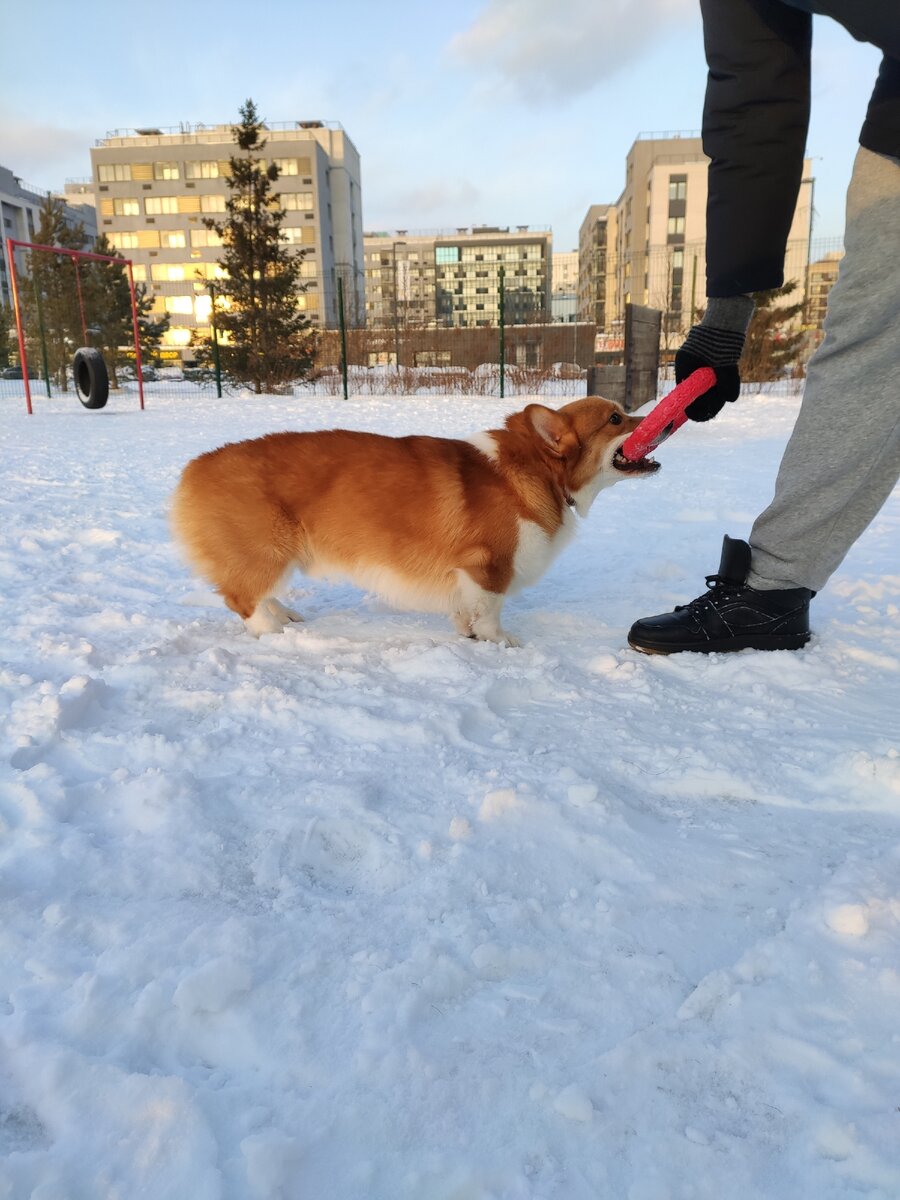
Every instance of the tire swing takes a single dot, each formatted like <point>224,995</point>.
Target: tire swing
<point>91,377</point>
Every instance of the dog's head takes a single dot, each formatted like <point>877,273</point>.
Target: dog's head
<point>582,438</point>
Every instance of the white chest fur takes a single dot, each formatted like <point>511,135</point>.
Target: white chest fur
<point>535,550</point>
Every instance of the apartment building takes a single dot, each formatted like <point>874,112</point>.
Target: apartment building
<point>154,188</point>
<point>657,252</point>
<point>564,286</point>
<point>20,205</point>
<point>596,258</point>
<point>452,279</point>
<point>821,278</point>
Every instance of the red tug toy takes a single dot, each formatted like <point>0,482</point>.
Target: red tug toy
<point>662,422</point>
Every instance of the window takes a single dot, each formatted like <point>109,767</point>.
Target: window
<point>204,237</point>
<point>120,207</point>
<point>678,258</point>
<point>155,206</point>
<point>168,272</point>
<point>297,201</point>
<point>677,187</point>
<point>142,171</point>
<point>446,254</point>
<point>173,239</point>
<point>201,170</point>
<point>304,236</point>
<point>676,225</point>
<point>212,204</point>
<point>180,304</point>
<point>166,170</point>
<point>114,172</point>
<point>123,241</point>
<point>287,166</point>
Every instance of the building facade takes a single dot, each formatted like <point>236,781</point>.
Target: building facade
<point>596,258</point>
<point>564,287</point>
<point>452,279</point>
<point>653,240</point>
<point>155,187</point>
<point>20,206</point>
<point>821,278</point>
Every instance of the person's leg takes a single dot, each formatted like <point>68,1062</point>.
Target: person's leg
<point>843,458</point>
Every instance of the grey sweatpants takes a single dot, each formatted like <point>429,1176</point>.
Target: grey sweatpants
<point>843,458</point>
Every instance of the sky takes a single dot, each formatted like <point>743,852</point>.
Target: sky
<point>499,112</point>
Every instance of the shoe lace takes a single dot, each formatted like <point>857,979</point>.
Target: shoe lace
<point>720,589</point>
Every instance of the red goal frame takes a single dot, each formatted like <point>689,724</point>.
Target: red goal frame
<point>11,245</point>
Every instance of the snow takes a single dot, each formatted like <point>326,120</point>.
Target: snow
<point>366,911</point>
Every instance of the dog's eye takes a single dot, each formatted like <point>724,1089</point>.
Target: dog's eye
<point>615,418</point>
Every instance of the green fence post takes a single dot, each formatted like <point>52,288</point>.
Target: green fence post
<point>502,333</point>
<point>343,327</point>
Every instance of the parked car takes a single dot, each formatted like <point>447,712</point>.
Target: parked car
<point>16,373</point>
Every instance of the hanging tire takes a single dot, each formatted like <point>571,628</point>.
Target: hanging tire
<point>91,377</point>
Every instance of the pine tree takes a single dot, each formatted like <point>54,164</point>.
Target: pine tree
<point>7,333</point>
<point>50,293</point>
<point>268,339</point>
<point>108,301</point>
<point>771,345</point>
<point>151,326</point>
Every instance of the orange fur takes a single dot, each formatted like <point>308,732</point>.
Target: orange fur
<point>414,518</point>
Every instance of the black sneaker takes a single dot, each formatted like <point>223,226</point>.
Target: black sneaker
<point>730,616</point>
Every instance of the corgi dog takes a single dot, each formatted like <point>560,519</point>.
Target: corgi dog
<point>428,523</point>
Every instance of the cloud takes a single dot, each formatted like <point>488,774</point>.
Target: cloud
<point>543,50</point>
<point>41,153</point>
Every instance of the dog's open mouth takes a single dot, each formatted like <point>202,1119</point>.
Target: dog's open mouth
<point>643,466</point>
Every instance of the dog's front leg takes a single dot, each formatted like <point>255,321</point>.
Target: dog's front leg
<point>476,613</point>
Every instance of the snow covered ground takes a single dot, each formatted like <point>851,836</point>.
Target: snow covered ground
<point>370,912</point>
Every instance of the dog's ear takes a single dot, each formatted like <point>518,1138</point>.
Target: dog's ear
<point>553,428</point>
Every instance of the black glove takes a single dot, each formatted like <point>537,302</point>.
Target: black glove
<point>716,342</point>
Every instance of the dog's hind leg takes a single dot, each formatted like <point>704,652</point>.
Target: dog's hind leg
<point>249,594</point>
<point>476,612</point>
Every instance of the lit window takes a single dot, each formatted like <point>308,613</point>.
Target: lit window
<point>139,271</point>
<point>287,166</point>
<point>676,225</point>
<point>114,172</point>
<point>165,170</point>
<point>154,206</point>
<point>123,241</point>
<point>201,170</point>
<point>167,272</point>
<point>677,258</point>
<point>126,207</point>
<point>212,204</point>
<point>297,201</point>
<point>180,304</point>
<point>305,235</point>
<point>173,239</point>
<point>177,337</point>
<point>677,187</point>
<point>204,237</point>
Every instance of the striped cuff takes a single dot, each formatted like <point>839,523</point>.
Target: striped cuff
<point>718,347</point>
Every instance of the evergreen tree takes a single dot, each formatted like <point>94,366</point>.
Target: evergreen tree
<point>267,339</point>
<point>151,326</point>
<point>7,333</point>
<point>50,293</point>
<point>772,345</point>
<point>108,302</point>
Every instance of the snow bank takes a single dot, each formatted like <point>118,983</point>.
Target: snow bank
<point>369,912</point>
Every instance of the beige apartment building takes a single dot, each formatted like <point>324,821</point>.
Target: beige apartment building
<point>821,278</point>
<point>564,286</point>
<point>154,187</point>
<point>650,247</point>
<point>452,278</point>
